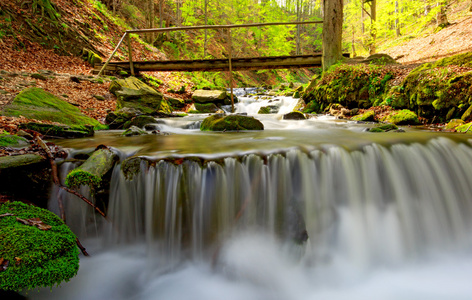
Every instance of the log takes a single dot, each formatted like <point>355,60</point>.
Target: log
<point>92,171</point>
<point>20,160</point>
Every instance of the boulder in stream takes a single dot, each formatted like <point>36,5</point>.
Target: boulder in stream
<point>133,93</point>
<point>230,123</point>
<point>294,115</point>
<point>402,117</point>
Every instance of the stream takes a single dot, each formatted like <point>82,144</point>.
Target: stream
<point>313,209</point>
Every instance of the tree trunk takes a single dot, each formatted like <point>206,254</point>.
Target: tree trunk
<point>397,19</point>
<point>332,32</point>
<point>373,25</point>
<point>206,33</point>
<point>441,18</point>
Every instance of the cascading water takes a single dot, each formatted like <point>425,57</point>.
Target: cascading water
<point>381,222</point>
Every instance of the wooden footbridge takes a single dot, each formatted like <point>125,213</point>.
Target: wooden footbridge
<point>227,64</point>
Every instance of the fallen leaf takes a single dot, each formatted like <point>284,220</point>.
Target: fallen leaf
<point>35,222</point>
<point>3,264</point>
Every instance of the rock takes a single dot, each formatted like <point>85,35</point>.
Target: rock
<point>368,116</point>
<point>380,59</point>
<point>230,123</point>
<point>38,251</point>
<point>467,115</point>
<point>20,160</point>
<point>62,131</point>
<point>465,128</point>
<point>133,93</point>
<point>402,117</point>
<point>91,57</point>
<point>99,97</point>
<point>139,121</point>
<point>91,172</point>
<point>39,76</point>
<point>9,140</point>
<point>300,105</point>
<point>206,108</point>
<point>383,128</point>
<point>312,107</point>
<point>454,123</point>
<point>294,115</point>
<point>264,110</point>
<point>204,96</point>
<point>133,130</point>
<point>35,103</point>
<point>176,103</point>
<point>24,134</point>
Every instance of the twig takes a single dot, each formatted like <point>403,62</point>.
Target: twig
<point>84,199</point>
<point>82,248</point>
<point>468,128</point>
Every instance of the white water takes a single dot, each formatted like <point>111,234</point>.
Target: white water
<point>383,222</point>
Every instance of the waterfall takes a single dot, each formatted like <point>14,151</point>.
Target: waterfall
<point>378,205</point>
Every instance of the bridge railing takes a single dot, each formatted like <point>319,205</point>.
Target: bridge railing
<point>204,27</point>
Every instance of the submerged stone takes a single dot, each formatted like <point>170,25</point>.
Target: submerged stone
<point>134,130</point>
<point>230,123</point>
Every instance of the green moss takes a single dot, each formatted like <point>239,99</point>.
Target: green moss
<point>206,107</point>
<point>35,103</point>
<point>78,177</point>
<point>264,110</point>
<point>402,117</point>
<point>7,140</point>
<point>383,128</point>
<point>312,107</point>
<point>230,123</point>
<point>139,121</point>
<point>465,128</point>
<point>368,116</point>
<point>59,131</point>
<point>454,123</point>
<point>36,257</point>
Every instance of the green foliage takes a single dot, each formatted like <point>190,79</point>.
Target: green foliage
<point>36,257</point>
<point>78,177</point>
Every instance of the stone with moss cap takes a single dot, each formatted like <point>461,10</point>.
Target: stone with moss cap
<point>368,116</point>
<point>11,140</point>
<point>36,258</point>
<point>454,123</point>
<point>35,103</point>
<point>294,115</point>
<point>133,93</point>
<point>233,122</point>
<point>402,117</point>
<point>63,131</point>
<point>465,128</point>
<point>93,169</point>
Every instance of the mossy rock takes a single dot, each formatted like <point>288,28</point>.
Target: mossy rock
<point>11,140</point>
<point>91,57</point>
<point>35,103</point>
<point>465,128</point>
<point>264,110</point>
<point>139,121</point>
<point>402,117</point>
<point>176,103</point>
<point>133,131</point>
<point>36,258</point>
<point>206,108</point>
<point>294,115</point>
<point>312,107</point>
<point>133,93</point>
<point>368,116</point>
<point>383,128</point>
<point>61,131</point>
<point>117,119</point>
<point>454,123</point>
<point>380,59</point>
<point>230,123</point>
<point>15,161</point>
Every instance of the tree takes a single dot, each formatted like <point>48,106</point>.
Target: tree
<point>332,32</point>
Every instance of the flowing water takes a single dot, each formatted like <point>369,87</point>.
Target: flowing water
<point>315,209</point>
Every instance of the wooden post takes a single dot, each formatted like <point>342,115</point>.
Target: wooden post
<point>230,54</point>
<point>112,54</point>
<point>130,55</point>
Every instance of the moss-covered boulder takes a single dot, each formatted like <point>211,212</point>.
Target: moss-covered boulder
<point>36,248</point>
<point>62,131</point>
<point>11,140</point>
<point>91,57</point>
<point>402,117</point>
<point>133,131</point>
<point>117,119</point>
<point>352,86</point>
<point>35,103</point>
<point>465,128</point>
<point>203,108</point>
<point>175,102</point>
<point>294,115</point>
<point>367,116</point>
<point>230,123</point>
<point>454,123</point>
<point>380,59</point>
<point>139,121</point>
<point>436,90</point>
<point>133,93</point>
<point>312,107</point>
<point>383,128</point>
<point>264,110</point>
